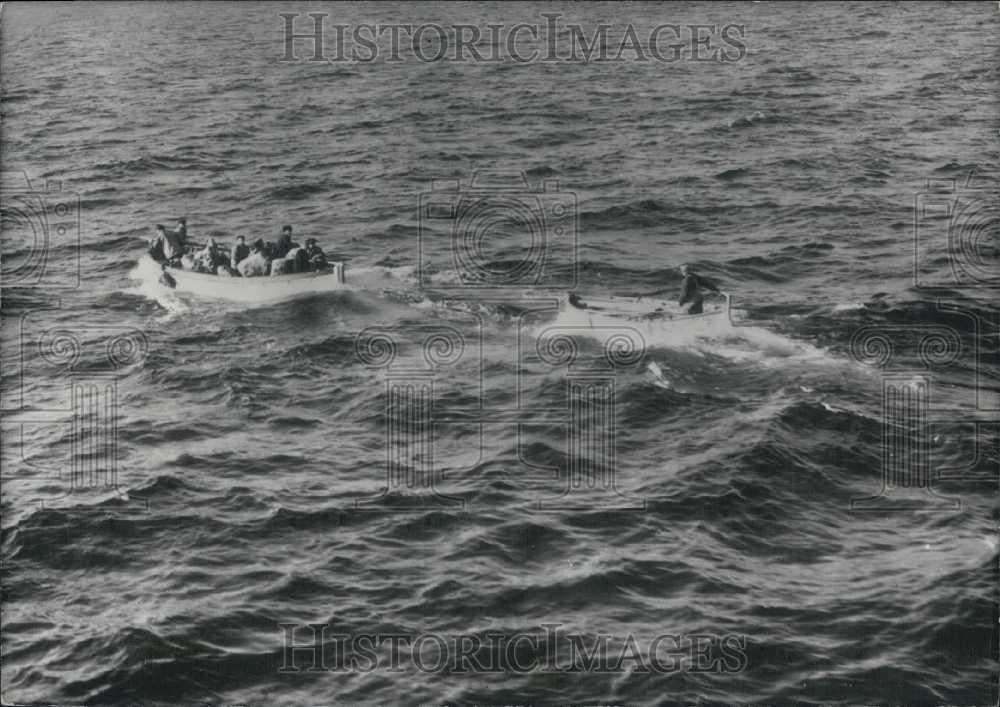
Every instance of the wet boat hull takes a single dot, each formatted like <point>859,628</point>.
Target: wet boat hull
<point>255,289</point>
<point>642,308</point>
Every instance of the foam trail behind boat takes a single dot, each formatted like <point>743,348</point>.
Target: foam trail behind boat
<point>378,277</point>
<point>704,335</point>
<point>147,273</point>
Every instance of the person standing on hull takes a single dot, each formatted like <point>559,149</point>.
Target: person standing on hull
<point>181,232</point>
<point>158,246</point>
<point>691,288</point>
<point>165,248</point>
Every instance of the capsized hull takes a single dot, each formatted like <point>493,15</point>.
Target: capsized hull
<point>641,307</point>
<point>651,317</point>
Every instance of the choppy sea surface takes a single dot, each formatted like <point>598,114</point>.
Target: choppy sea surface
<point>271,463</point>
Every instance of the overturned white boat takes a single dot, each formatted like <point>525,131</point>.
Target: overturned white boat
<point>650,314</point>
<point>266,288</point>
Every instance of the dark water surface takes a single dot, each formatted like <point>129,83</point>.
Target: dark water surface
<point>252,444</point>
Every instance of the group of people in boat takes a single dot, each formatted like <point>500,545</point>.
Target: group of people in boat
<point>171,247</point>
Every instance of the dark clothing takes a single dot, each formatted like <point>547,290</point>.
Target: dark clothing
<point>317,258</point>
<point>284,246</point>
<point>156,250</point>
<point>165,247</point>
<point>239,253</point>
<point>298,260</point>
<point>181,234</point>
<point>691,292</point>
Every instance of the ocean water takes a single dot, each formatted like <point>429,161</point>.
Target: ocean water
<point>812,479</point>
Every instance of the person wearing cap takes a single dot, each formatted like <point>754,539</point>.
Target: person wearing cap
<point>691,288</point>
<point>317,258</point>
<point>257,263</point>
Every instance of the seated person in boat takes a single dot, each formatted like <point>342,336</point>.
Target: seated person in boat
<point>294,261</point>
<point>206,260</point>
<point>285,243</point>
<point>287,256</point>
<point>164,247</point>
<point>297,260</point>
<point>280,266</point>
<point>691,291</point>
<point>317,258</point>
<point>255,264</point>
<point>240,251</point>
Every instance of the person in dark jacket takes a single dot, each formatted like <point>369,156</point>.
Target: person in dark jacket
<point>691,291</point>
<point>285,244</point>
<point>157,246</point>
<point>181,232</point>
<point>240,251</point>
<point>297,260</point>
<point>165,248</point>
<point>317,258</point>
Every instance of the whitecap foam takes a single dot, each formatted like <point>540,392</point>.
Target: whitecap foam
<point>375,277</point>
<point>702,336</point>
<point>147,273</point>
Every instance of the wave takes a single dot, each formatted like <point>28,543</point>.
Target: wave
<point>147,273</point>
<point>734,173</point>
<point>756,118</point>
<point>647,212</point>
<point>794,74</point>
<point>294,192</point>
<point>551,139</point>
<point>791,254</point>
<point>145,165</point>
